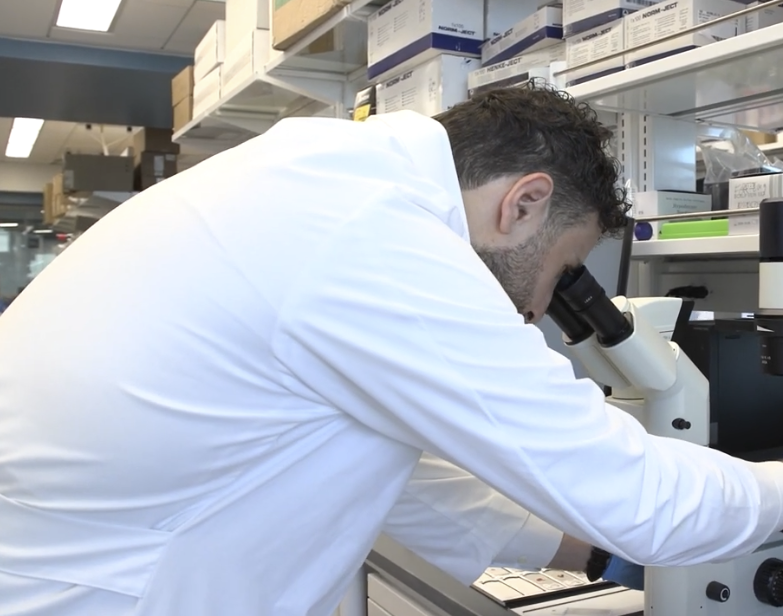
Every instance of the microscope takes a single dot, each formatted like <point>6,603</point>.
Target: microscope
<point>626,345</point>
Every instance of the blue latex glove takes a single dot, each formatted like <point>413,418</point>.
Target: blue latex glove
<point>624,573</point>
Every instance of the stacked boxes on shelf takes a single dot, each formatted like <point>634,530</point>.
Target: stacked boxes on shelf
<point>542,29</point>
<point>673,16</point>
<point>595,34</point>
<point>243,17</point>
<point>182,98</point>
<point>518,70</point>
<point>248,42</point>
<point>420,52</point>
<point>208,65</point>
<point>292,20</point>
<point>155,157</point>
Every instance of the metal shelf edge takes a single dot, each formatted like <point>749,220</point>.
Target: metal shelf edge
<point>750,43</point>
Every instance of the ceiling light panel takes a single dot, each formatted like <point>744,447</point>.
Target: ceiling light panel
<point>93,15</point>
<point>24,133</point>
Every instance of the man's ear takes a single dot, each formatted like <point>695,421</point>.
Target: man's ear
<point>526,202</point>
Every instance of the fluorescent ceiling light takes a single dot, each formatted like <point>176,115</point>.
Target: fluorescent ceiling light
<point>24,132</point>
<point>9,224</point>
<point>95,15</point>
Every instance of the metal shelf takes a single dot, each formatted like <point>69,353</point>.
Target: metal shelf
<point>323,70</point>
<point>731,246</point>
<point>737,82</point>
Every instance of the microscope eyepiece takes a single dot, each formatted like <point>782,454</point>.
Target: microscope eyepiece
<point>587,299</point>
<point>571,324</point>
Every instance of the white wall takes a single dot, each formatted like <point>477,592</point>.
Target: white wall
<point>25,177</point>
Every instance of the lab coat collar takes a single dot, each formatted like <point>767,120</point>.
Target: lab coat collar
<point>427,144</point>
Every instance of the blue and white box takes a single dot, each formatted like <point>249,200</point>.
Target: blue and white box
<point>515,71</point>
<point>542,29</point>
<point>430,88</point>
<point>674,16</point>
<point>406,33</point>
<point>582,15</point>
<point>591,46</point>
<point>768,16</point>
<point>500,14</point>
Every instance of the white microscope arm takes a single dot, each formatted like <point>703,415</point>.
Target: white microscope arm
<point>651,378</point>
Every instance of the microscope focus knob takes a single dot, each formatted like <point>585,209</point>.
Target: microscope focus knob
<point>768,583</point>
<point>718,592</point>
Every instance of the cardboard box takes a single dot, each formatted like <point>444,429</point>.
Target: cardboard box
<point>154,140</point>
<point>183,113</point>
<point>407,33</point>
<point>292,20</point>
<point>182,86</point>
<point>247,58</point>
<point>674,16</point>
<point>207,92</point>
<point>88,173</point>
<point>244,16</point>
<point>500,15</point>
<point>660,202</point>
<point>542,29</point>
<point>591,46</point>
<point>211,51</point>
<point>516,71</point>
<point>749,192</point>
<point>430,88</point>
<point>582,15</point>
<point>764,18</point>
<point>759,138</point>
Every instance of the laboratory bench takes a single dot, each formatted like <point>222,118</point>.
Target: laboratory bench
<point>399,583</point>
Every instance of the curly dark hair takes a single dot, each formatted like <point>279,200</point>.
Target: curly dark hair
<point>537,128</point>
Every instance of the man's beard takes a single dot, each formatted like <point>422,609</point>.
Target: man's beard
<point>517,269</point>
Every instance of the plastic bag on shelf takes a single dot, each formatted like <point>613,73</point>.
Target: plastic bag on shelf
<point>732,153</point>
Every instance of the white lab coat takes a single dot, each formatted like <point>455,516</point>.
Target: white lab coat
<point>210,403</point>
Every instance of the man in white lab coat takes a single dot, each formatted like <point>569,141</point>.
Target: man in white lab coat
<point>214,401</point>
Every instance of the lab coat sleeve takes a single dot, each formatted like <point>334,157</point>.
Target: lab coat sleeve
<point>400,325</point>
<point>457,522</point>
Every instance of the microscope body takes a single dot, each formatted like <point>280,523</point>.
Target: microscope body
<point>654,381</point>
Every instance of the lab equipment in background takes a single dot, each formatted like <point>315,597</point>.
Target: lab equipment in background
<point>405,33</point>
<point>731,158</point>
<point>627,344</point>
<point>667,18</point>
<point>538,31</point>
<point>769,318</point>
